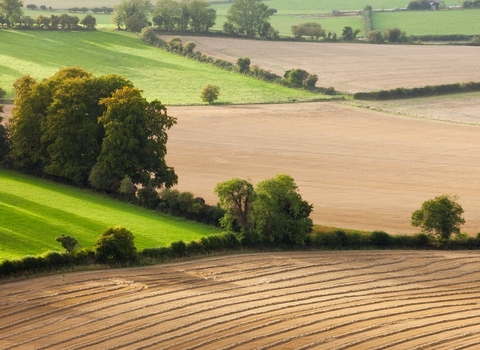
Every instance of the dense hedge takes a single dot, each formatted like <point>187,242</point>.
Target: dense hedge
<point>400,93</point>
<point>330,239</point>
<point>446,37</point>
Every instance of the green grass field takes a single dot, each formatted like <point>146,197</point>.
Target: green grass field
<point>429,22</point>
<point>165,76</point>
<point>33,212</point>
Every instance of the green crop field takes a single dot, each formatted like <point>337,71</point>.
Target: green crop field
<point>162,75</point>
<point>429,22</point>
<point>33,212</point>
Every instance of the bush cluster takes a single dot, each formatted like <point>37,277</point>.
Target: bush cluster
<point>475,4</point>
<point>419,5</point>
<point>400,93</point>
<point>54,22</point>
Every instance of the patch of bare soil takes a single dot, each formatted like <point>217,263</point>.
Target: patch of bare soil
<point>353,67</point>
<point>359,168</point>
<point>317,300</point>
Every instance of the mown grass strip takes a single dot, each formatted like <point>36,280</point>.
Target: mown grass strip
<point>33,212</point>
<point>162,75</point>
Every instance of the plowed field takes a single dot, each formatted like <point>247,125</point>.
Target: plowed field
<point>353,67</point>
<point>320,300</point>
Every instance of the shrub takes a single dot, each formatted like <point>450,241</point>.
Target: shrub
<point>162,253</point>
<point>189,47</point>
<point>243,65</point>
<point>419,5</point>
<point>68,243</point>
<point>115,244</point>
<point>375,37</point>
<point>395,35</point>
<point>194,248</point>
<point>311,80</point>
<point>178,248</point>
<point>210,93</point>
<point>380,239</point>
<point>475,41</point>
<point>56,259</point>
<point>127,189</point>
<point>148,197</point>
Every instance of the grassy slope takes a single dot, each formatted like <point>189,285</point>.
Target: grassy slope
<point>162,75</point>
<point>429,22</point>
<point>33,212</point>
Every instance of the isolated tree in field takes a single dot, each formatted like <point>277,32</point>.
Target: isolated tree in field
<point>135,139</point>
<point>68,243</point>
<point>210,93</point>
<point>116,244</point>
<point>12,10</point>
<point>132,14</point>
<point>236,198</point>
<point>441,216</point>
<point>31,6</point>
<point>248,16</point>
<point>280,214</point>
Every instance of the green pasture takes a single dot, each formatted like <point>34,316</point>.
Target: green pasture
<point>33,212</point>
<point>162,75</point>
<point>429,22</point>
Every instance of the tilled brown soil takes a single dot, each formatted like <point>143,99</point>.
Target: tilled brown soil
<point>317,300</point>
<point>359,168</point>
<point>353,67</point>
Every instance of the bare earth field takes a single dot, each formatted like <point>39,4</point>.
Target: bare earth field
<point>360,168</point>
<point>353,67</point>
<point>318,300</point>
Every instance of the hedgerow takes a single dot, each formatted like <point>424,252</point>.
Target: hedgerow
<point>431,90</point>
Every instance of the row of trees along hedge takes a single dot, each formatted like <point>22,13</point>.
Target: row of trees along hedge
<point>88,130</point>
<point>434,90</point>
<point>103,9</point>
<point>63,21</point>
<point>296,78</point>
<point>475,4</point>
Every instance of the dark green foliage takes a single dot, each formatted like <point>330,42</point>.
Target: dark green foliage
<point>115,245</point>
<point>380,239</point>
<point>128,190</point>
<point>310,29</point>
<point>194,248</point>
<point>375,37</point>
<point>68,243</point>
<point>210,93</point>
<point>149,36</point>
<point>300,77</point>
<point>162,253</point>
<point>56,259</point>
<point>4,142</point>
<point>400,93</point>
<point>348,34</point>
<point>178,249</point>
<point>419,5</point>
<point>148,197</point>
<point>243,65</point>
<point>441,216</point>
<point>394,35</point>
<point>132,15</point>
<point>89,22</point>
<point>471,4</point>
<point>247,17</point>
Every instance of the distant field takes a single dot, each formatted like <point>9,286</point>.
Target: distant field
<point>162,75</point>
<point>33,212</point>
<point>429,22</point>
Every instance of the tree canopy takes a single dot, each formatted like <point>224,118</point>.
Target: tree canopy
<point>74,124</point>
<point>12,10</point>
<point>274,212</point>
<point>132,14</point>
<point>248,17</point>
<point>441,216</point>
<point>196,15</point>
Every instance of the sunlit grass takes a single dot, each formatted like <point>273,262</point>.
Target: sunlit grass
<point>161,75</point>
<point>33,212</point>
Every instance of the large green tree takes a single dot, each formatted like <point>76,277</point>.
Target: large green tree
<point>132,14</point>
<point>236,198</point>
<point>135,139</point>
<point>167,14</point>
<point>280,214</point>
<point>441,216</point>
<point>202,17</point>
<point>248,16</point>
<point>12,10</point>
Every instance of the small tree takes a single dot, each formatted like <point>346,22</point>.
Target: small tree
<point>210,93</point>
<point>441,216</point>
<point>115,244</point>
<point>375,37</point>
<point>395,35</point>
<point>68,243</point>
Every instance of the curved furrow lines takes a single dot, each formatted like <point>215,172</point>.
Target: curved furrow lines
<point>298,327</point>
